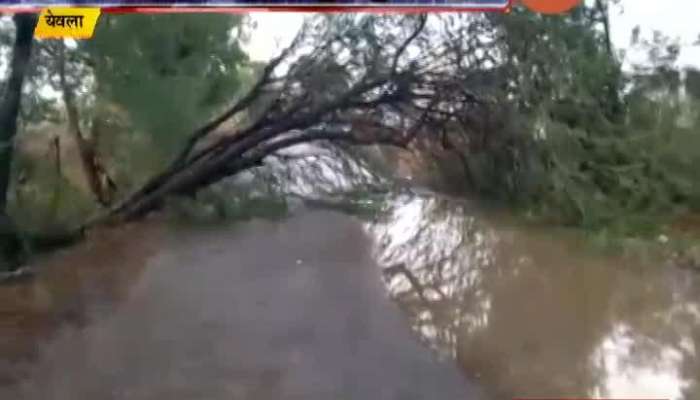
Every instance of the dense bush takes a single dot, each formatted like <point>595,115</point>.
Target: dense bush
<point>582,142</point>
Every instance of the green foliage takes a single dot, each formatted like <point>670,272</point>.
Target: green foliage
<point>148,79</point>
<point>585,152</point>
<point>554,58</point>
<point>168,72</point>
<point>47,201</point>
<point>603,180</point>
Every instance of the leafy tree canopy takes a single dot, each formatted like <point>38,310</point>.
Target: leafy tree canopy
<point>169,72</point>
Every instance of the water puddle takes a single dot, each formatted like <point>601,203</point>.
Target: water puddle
<point>532,312</point>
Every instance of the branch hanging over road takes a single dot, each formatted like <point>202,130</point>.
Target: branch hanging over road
<point>353,79</point>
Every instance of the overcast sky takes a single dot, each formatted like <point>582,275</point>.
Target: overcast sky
<point>676,18</point>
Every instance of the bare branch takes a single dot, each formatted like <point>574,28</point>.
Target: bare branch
<point>422,18</point>
<point>240,105</point>
<point>344,84</point>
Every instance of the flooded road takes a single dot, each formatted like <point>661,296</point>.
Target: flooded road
<point>427,300</point>
<point>264,310</point>
<point>534,312</point>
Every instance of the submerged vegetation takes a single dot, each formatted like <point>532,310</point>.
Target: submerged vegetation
<point>543,113</point>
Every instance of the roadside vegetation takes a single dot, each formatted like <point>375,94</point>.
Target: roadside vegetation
<point>593,145</point>
<point>543,114</point>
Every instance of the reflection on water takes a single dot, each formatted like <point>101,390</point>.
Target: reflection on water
<point>433,257</point>
<point>529,312</point>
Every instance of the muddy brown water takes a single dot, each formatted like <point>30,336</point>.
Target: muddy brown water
<point>285,310</point>
<point>426,302</point>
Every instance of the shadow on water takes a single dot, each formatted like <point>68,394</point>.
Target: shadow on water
<point>298,308</point>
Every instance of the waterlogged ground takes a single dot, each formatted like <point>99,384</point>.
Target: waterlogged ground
<point>537,312</point>
<point>293,309</point>
<point>427,300</point>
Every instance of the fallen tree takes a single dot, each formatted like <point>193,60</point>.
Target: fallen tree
<point>354,79</point>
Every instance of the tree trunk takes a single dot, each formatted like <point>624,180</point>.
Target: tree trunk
<point>107,184</point>
<point>9,109</point>
<point>55,152</point>
<point>604,10</point>
<point>10,244</point>
<point>95,174</point>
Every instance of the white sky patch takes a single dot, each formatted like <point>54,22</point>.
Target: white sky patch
<point>677,19</point>
<point>662,379</point>
<point>274,31</point>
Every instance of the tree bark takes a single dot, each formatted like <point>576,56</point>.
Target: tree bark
<point>11,246</point>
<point>55,151</point>
<point>9,109</point>
<point>604,10</point>
<point>96,176</point>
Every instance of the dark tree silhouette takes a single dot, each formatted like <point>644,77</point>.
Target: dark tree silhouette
<point>10,244</point>
<point>342,79</point>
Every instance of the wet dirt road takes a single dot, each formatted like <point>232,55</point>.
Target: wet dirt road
<point>263,310</point>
